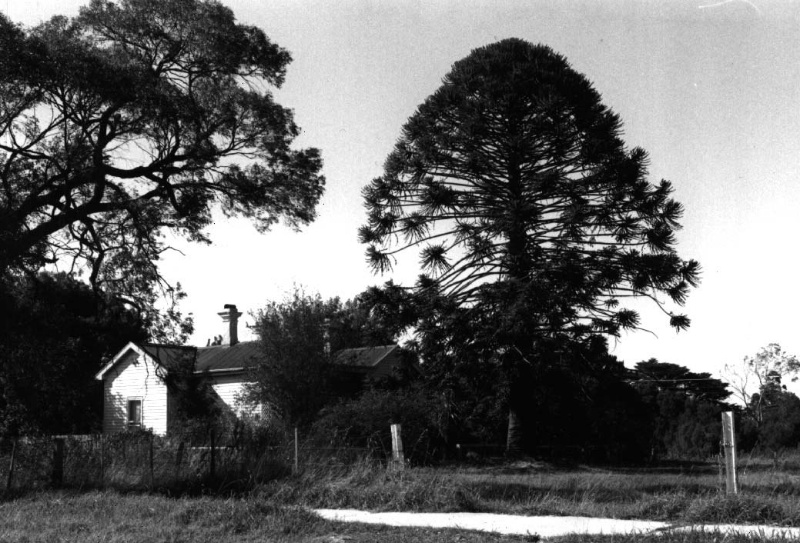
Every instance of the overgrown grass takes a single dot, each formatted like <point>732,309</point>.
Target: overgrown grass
<point>688,494</point>
<point>110,517</point>
<point>222,510</point>
<point>279,510</point>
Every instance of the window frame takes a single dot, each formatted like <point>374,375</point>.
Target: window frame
<point>130,423</point>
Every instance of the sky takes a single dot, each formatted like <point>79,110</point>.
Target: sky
<point>710,88</point>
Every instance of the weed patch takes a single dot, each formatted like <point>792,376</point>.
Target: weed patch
<point>739,509</point>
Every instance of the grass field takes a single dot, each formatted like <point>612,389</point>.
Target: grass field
<point>278,510</point>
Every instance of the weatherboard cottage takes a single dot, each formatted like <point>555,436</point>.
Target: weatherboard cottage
<point>135,394</point>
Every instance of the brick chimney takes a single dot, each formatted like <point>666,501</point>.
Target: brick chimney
<point>231,319</point>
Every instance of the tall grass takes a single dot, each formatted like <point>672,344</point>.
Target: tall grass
<point>111,517</point>
<point>277,510</point>
<point>692,494</point>
<point>348,479</point>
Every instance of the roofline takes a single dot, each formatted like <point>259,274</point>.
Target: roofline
<point>221,370</point>
<point>170,346</point>
<point>207,347</point>
<point>367,347</point>
<point>387,353</point>
<point>131,345</point>
<point>378,361</point>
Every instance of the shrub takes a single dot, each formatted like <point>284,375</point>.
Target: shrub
<point>365,422</point>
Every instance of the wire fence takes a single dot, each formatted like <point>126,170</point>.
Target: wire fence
<point>139,460</point>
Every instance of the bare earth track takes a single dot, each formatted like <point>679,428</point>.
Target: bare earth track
<point>545,526</point>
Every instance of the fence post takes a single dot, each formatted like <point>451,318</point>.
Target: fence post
<point>152,471</point>
<point>179,459</point>
<point>296,453</point>
<point>58,462</point>
<point>398,459</point>
<point>11,464</point>
<point>212,465</point>
<point>102,461</point>
<point>729,444</point>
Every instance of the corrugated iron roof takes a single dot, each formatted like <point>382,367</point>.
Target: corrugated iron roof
<point>364,357</point>
<point>224,357</point>
<point>169,355</point>
<point>246,354</point>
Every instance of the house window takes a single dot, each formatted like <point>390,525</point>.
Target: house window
<point>134,412</point>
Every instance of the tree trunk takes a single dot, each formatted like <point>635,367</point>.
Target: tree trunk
<point>519,268</point>
<point>514,435</point>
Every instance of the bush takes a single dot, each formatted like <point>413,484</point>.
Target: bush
<point>365,422</point>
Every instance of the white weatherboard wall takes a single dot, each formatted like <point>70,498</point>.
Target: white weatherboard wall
<point>228,388</point>
<point>134,377</point>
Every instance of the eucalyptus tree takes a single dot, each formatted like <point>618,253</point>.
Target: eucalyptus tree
<point>140,117</point>
<point>756,376</point>
<point>529,213</point>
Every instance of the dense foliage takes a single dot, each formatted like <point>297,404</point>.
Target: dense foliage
<point>56,335</point>
<point>365,422</point>
<point>295,375</point>
<point>195,409</point>
<point>684,407</point>
<point>577,406</point>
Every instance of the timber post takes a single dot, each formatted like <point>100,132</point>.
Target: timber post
<point>398,459</point>
<point>179,458</point>
<point>152,470</point>
<point>296,466</point>
<point>213,460</point>
<point>11,463</point>
<point>102,447</point>
<point>57,476</point>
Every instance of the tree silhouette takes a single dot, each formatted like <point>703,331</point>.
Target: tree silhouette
<point>513,182</point>
<point>759,372</point>
<point>138,117</point>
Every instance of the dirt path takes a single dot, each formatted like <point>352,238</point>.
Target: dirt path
<point>542,526</point>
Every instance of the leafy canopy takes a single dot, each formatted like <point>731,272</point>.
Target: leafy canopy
<point>514,184</point>
<point>137,117</point>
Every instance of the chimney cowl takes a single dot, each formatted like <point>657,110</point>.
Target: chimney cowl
<point>230,317</point>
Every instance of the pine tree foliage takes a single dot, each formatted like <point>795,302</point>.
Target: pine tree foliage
<point>513,183</point>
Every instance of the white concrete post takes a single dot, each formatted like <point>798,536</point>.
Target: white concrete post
<point>729,444</point>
